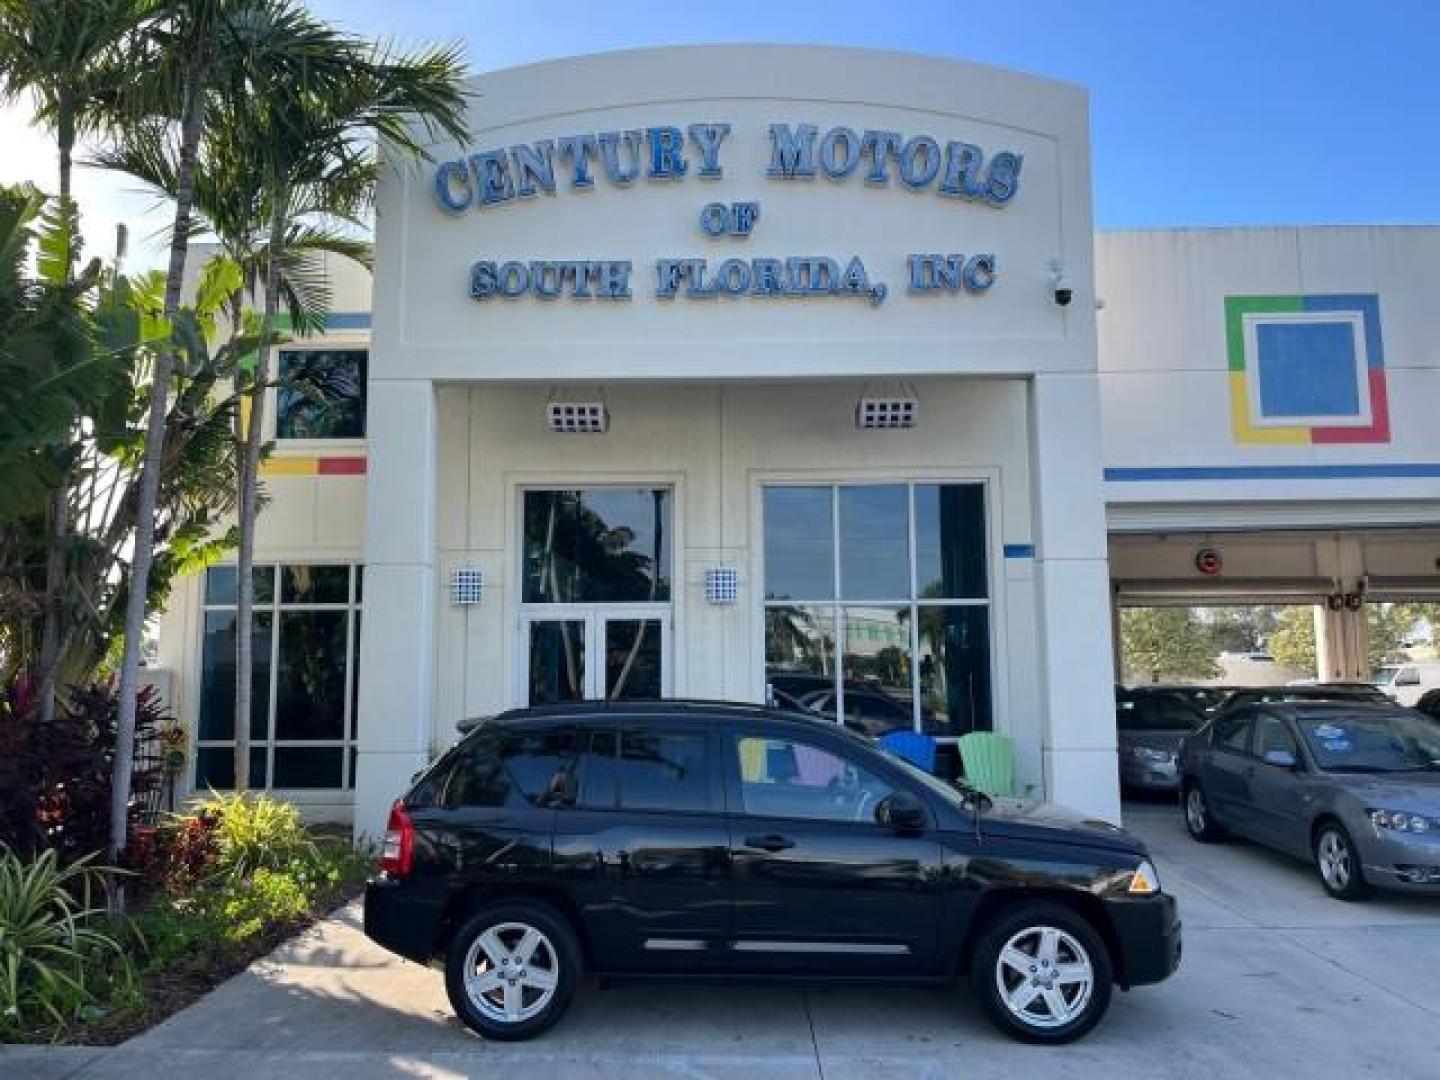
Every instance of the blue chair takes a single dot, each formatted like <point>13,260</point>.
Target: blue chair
<point>915,748</point>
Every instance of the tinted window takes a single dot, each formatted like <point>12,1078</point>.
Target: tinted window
<point>790,778</point>
<point>509,768</point>
<point>663,770</point>
<point>598,789</point>
<point>321,395</point>
<point>1272,734</point>
<point>1156,712</point>
<point>597,545</point>
<point>799,544</point>
<point>1233,733</point>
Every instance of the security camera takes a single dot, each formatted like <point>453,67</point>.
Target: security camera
<point>1064,291</point>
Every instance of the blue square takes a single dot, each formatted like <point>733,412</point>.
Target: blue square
<point>1307,369</point>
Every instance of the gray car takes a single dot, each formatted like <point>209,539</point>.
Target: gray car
<point>1351,787</point>
<point>1150,724</point>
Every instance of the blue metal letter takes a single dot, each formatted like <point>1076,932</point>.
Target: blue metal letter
<point>610,155</point>
<point>837,168</point>
<point>1004,178</point>
<point>492,173</point>
<point>667,157</point>
<point>514,279</point>
<point>921,148</point>
<point>979,273</point>
<point>450,175</point>
<point>881,145</point>
<point>742,217</point>
<point>714,219</point>
<point>962,171</point>
<point>482,280</point>
<point>534,165</point>
<point>579,150</point>
<point>707,139</point>
<point>792,153</point>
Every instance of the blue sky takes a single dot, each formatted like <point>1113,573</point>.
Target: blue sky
<point>1225,112</point>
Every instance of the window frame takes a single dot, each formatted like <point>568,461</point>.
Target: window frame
<point>879,768</point>
<point>837,604</point>
<point>277,606</point>
<point>285,443</point>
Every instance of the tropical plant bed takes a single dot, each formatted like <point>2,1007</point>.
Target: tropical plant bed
<point>212,890</point>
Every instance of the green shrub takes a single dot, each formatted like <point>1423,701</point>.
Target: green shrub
<point>55,960</point>
<point>249,907</point>
<point>255,831</point>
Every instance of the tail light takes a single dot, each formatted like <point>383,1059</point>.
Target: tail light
<point>397,856</point>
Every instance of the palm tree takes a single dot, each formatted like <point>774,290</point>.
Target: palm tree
<point>59,52</point>
<point>196,55</point>
<point>314,153</point>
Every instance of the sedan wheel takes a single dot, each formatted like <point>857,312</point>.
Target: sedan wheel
<point>1043,974</point>
<point>1198,821</point>
<point>1339,864</point>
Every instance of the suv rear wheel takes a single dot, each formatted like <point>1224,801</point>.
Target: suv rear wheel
<point>1042,973</point>
<point>511,969</point>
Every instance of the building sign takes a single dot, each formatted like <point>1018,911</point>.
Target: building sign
<point>962,171</point>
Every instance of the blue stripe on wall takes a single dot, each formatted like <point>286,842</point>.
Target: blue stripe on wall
<point>347,320</point>
<point>1396,471</point>
<point>1019,551</point>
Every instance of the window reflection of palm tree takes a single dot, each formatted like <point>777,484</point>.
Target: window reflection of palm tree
<point>795,632</point>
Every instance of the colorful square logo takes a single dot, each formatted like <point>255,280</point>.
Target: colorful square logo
<point>1306,369</point>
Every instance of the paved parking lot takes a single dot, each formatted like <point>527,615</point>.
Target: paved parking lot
<point>1278,980</point>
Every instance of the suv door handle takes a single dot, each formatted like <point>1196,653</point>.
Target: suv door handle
<point>769,842</point>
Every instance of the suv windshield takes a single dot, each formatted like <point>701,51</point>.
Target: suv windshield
<point>1396,742</point>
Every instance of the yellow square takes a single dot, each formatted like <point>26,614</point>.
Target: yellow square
<point>1246,432</point>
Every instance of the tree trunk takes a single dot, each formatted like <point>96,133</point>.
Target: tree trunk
<point>191,127</point>
<point>55,561</point>
<point>250,495</point>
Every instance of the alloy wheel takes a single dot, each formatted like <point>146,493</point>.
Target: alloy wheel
<point>511,972</point>
<point>1333,855</point>
<point>1045,977</point>
<point>1195,810</point>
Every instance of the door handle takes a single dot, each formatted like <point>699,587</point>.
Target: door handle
<point>769,842</point>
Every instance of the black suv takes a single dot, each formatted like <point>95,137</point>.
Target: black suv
<point>693,839</point>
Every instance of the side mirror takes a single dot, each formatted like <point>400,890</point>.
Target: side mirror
<point>901,811</point>
<point>1283,759</point>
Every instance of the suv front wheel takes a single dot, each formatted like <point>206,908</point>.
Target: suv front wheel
<point>511,969</point>
<point>1042,973</point>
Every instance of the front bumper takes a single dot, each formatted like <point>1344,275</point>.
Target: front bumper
<point>1145,775</point>
<point>1405,863</point>
<point>1147,934</point>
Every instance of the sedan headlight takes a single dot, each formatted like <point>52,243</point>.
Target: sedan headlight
<point>1151,753</point>
<point>1402,821</point>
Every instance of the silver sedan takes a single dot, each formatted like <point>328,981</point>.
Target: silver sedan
<point>1351,787</point>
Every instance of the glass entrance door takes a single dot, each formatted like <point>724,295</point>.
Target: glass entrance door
<point>601,654</point>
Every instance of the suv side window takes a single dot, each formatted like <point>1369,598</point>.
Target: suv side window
<point>1232,732</point>
<point>647,768</point>
<point>509,768</point>
<point>787,777</point>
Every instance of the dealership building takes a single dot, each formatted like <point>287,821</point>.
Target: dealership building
<point>744,372</point>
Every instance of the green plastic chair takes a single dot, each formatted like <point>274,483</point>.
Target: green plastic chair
<point>989,761</point>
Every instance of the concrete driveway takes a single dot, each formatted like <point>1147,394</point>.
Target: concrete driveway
<point>1278,980</point>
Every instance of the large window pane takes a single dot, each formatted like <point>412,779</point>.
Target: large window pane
<point>799,544</point>
<point>874,542</point>
<point>950,541</point>
<point>315,584</point>
<point>215,768</point>
<point>321,395</point>
<point>557,661</point>
<point>800,648</point>
<point>217,676</point>
<point>308,766</point>
<point>877,669</point>
<point>220,585</point>
<point>954,669</point>
<point>597,545</point>
<point>310,685</point>
<point>632,660</point>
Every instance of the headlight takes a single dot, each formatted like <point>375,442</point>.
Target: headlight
<point>1150,753</point>
<point>1401,821</point>
<point>1144,881</point>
